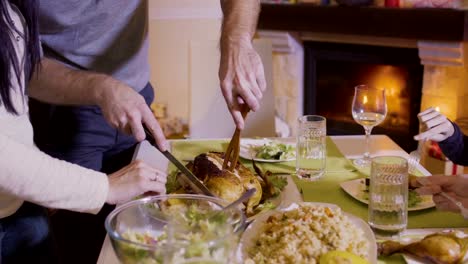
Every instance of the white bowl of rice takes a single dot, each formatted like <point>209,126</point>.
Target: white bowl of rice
<point>303,232</point>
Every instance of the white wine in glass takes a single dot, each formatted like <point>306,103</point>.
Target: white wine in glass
<point>369,110</point>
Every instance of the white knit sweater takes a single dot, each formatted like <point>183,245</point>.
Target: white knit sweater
<point>27,174</point>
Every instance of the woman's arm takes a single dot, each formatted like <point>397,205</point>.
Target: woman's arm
<point>32,175</point>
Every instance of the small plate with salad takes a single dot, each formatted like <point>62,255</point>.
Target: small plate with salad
<point>359,189</point>
<point>266,150</point>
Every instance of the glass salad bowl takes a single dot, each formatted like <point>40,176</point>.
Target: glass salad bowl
<point>176,228</point>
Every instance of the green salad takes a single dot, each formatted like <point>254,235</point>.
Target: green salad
<point>275,151</point>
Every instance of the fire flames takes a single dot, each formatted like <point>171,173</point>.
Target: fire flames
<point>393,80</point>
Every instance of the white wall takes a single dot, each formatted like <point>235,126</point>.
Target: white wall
<point>173,24</point>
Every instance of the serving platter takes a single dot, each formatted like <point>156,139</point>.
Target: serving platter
<point>247,149</point>
<point>357,189</point>
<point>256,227</point>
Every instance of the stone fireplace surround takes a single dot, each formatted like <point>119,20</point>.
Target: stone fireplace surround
<point>445,61</point>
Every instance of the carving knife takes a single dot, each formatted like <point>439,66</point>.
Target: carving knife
<point>190,178</point>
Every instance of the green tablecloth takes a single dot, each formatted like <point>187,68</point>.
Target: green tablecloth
<point>327,189</point>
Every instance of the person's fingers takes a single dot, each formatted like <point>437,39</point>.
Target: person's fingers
<point>238,119</point>
<point>246,78</point>
<point>155,176</point>
<point>413,183</point>
<point>444,204</point>
<point>260,75</point>
<point>122,121</point>
<point>153,186</point>
<point>243,89</point>
<point>161,177</point>
<point>419,137</point>
<point>136,126</point>
<point>252,79</point>
<point>149,172</point>
<point>440,180</point>
<point>436,121</point>
<point>159,136</point>
<point>434,133</point>
<point>429,135</point>
<point>155,129</point>
<point>427,111</point>
<point>232,103</point>
<point>417,182</point>
<point>429,190</point>
<point>429,115</point>
<point>227,90</point>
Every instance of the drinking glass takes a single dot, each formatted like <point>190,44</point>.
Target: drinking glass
<point>369,110</point>
<point>311,149</point>
<point>388,195</point>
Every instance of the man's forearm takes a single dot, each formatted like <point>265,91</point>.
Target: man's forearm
<point>240,20</point>
<point>58,84</point>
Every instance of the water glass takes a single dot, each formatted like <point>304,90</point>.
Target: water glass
<point>311,149</point>
<point>388,196</point>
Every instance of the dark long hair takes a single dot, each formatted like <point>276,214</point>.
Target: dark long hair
<point>8,58</point>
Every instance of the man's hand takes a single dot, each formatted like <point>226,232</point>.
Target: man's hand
<point>123,108</point>
<point>127,111</point>
<point>241,71</point>
<point>455,186</point>
<point>242,77</point>
<point>438,127</point>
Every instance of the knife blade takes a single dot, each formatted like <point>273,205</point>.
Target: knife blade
<point>190,178</point>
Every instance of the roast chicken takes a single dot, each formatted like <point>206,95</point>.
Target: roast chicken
<point>223,183</point>
<point>443,248</point>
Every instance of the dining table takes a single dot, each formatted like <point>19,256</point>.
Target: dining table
<point>341,150</point>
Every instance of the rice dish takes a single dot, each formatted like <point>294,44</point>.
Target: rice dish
<point>303,234</point>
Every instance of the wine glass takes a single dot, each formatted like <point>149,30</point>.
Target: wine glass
<point>369,110</point>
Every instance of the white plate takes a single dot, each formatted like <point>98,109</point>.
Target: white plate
<point>249,235</point>
<point>356,188</point>
<point>247,151</point>
<point>412,235</point>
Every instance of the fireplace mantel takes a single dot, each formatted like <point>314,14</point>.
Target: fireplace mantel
<point>429,24</point>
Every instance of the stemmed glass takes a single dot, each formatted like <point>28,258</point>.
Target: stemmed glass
<point>369,110</point>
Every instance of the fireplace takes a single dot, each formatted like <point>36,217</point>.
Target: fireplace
<point>332,70</point>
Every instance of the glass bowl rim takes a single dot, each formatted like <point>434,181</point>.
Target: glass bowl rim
<point>114,235</point>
